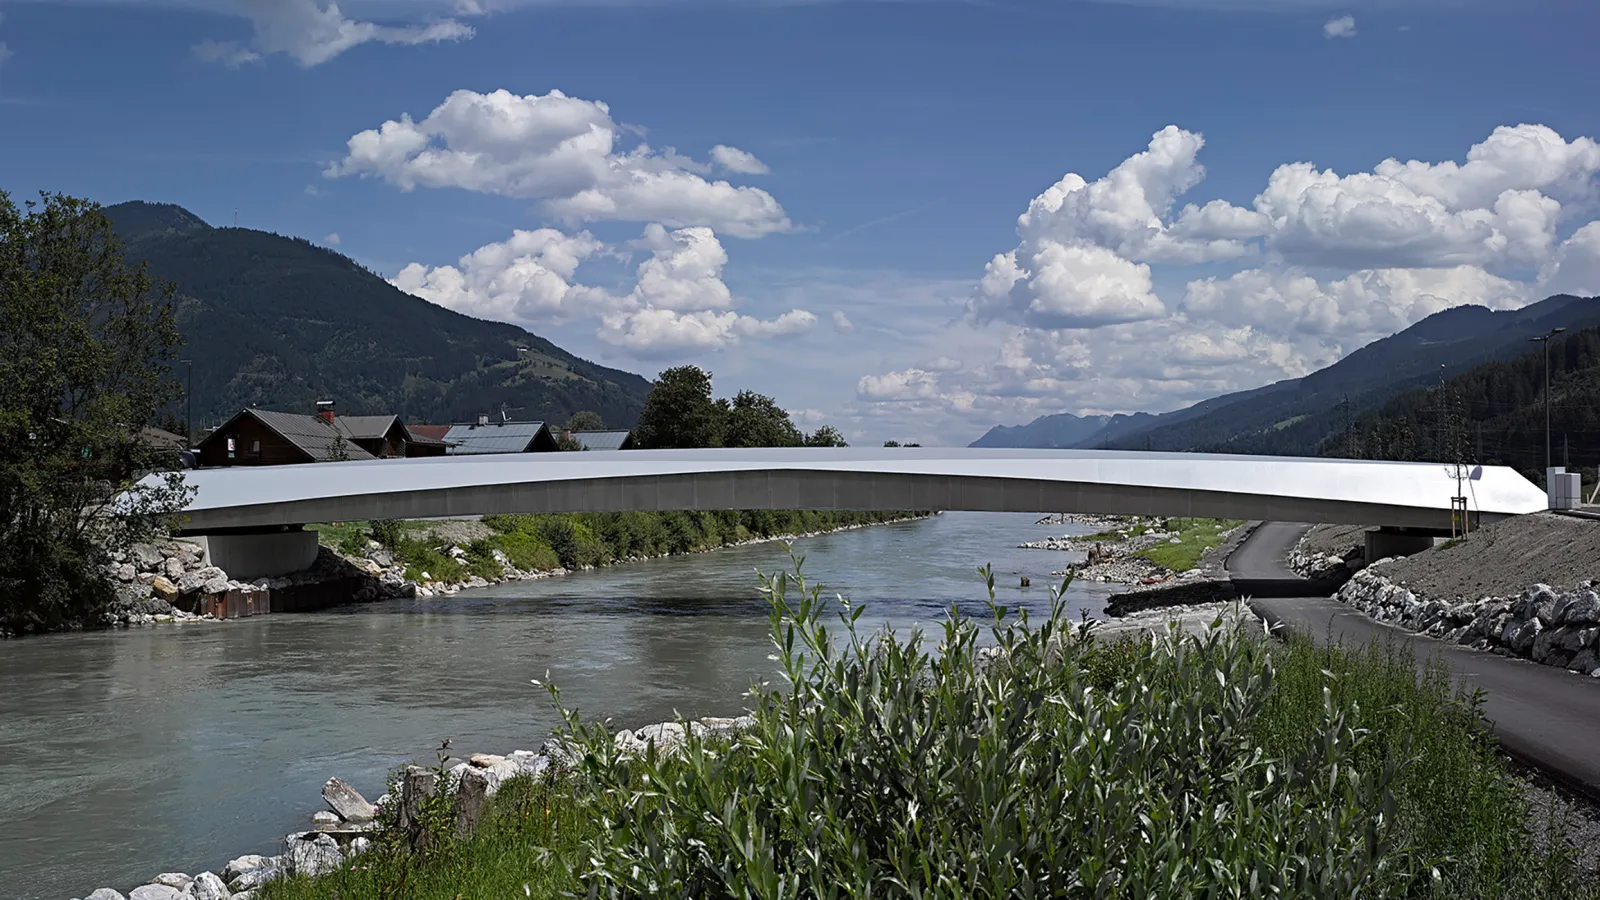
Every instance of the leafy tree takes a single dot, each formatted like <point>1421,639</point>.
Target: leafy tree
<point>891,443</point>
<point>756,420</point>
<point>585,420</point>
<point>679,412</point>
<point>826,436</point>
<point>86,347</point>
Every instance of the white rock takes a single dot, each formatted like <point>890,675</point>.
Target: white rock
<point>217,585</point>
<point>667,736</point>
<point>207,886</point>
<point>173,880</point>
<point>105,894</point>
<point>239,865</point>
<point>323,817</point>
<point>156,892</point>
<point>313,856</point>
<point>346,802</point>
<point>359,845</point>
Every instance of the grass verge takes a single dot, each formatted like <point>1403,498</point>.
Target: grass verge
<point>1194,536</point>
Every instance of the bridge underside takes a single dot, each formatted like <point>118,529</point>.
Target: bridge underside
<point>812,489</point>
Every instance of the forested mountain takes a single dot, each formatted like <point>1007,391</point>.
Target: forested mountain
<point>1060,431</point>
<point>279,323</point>
<point>1295,417</point>
<point>1492,414</point>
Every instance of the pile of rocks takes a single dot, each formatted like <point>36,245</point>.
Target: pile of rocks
<point>1554,628</point>
<point>149,578</point>
<point>341,832</point>
<point>1325,566</point>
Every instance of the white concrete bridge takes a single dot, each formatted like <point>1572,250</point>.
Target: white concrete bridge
<point>254,500</point>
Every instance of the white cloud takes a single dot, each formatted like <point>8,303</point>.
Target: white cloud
<point>313,32</point>
<point>732,159</point>
<point>1342,27</point>
<point>664,334</point>
<point>907,384</point>
<point>842,323</point>
<point>1575,267</point>
<point>1094,316</point>
<point>562,151</point>
<point>527,279</point>
<point>1360,307</point>
<point>312,191</point>
<point>679,304</point>
<point>5,53</point>
<point>332,240</point>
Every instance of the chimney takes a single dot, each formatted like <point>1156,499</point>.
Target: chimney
<point>325,411</point>
<point>483,419</point>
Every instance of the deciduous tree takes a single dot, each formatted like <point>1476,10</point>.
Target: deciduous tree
<point>86,347</point>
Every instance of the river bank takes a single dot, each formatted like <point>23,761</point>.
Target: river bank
<point>170,582</point>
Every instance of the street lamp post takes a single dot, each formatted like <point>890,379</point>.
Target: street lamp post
<point>1546,341</point>
<point>188,405</point>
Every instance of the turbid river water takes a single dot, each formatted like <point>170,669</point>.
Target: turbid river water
<point>124,754</point>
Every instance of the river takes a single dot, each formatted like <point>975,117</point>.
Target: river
<point>124,754</point>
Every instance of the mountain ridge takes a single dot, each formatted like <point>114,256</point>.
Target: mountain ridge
<point>278,322</point>
<point>1295,416</point>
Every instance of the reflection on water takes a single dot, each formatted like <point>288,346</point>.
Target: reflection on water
<point>127,754</point>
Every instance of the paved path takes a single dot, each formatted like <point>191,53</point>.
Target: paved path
<point>1546,716</point>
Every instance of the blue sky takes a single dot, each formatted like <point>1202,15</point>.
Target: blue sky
<point>840,251</point>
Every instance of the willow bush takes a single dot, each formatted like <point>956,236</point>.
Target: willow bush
<point>888,768</point>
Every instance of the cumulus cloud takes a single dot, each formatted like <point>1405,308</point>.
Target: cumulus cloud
<point>312,32</point>
<point>332,240</point>
<point>1342,27</point>
<point>564,152</point>
<point>842,323</point>
<point>1097,314</point>
<point>527,279</point>
<point>1575,267</point>
<point>679,304</point>
<point>732,159</point>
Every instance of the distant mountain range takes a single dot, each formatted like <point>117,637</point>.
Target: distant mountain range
<point>280,323</point>
<point>1296,416</point>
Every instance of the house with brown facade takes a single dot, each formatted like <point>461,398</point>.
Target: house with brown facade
<point>261,437</point>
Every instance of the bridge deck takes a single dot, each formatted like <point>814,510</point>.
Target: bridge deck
<point>1357,492</point>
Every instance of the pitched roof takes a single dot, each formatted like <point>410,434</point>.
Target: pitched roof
<point>355,427</point>
<point>309,433</point>
<point>495,437</point>
<point>428,432</point>
<point>602,440</point>
<point>166,440</point>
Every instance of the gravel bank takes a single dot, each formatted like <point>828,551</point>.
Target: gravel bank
<point>1504,558</point>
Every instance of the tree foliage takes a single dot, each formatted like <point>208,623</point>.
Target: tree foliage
<point>680,413</point>
<point>86,347</point>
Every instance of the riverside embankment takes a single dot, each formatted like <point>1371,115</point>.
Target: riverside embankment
<point>128,753</point>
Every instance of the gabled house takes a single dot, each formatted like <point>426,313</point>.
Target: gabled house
<point>485,436</point>
<point>601,440</point>
<point>260,437</point>
<point>263,437</point>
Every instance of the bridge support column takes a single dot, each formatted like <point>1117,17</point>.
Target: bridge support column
<point>248,556</point>
<point>1383,543</point>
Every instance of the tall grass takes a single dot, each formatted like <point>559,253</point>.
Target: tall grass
<point>1048,762</point>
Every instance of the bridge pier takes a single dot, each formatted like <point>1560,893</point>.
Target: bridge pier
<point>247,555</point>
<point>1385,542</point>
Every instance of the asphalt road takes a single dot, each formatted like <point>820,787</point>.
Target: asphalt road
<point>1544,716</point>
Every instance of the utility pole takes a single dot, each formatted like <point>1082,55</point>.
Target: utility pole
<point>1546,341</point>
<point>188,404</point>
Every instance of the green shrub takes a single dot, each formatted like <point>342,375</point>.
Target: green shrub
<point>889,770</point>
<point>527,551</point>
